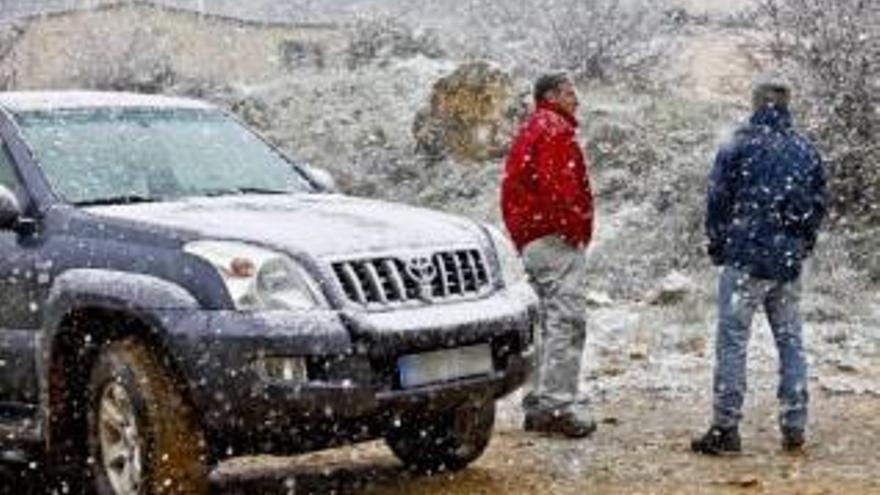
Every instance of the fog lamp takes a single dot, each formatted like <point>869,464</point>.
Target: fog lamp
<point>286,369</point>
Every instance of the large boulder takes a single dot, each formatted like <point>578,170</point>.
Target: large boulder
<point>472,114</point>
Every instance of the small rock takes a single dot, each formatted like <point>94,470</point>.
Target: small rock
<point>848,367</point>
<point>837,337</point>
<point>638,351</point>
<point>693,344</point>
<point>849,385</point>
<point>748,481</point>
<point>673,289</point>
<point>611,370</point>
<point>598,299</point>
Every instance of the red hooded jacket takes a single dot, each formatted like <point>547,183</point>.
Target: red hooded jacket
<point>546,189</point>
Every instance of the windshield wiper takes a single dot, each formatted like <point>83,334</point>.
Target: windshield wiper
<point>124,199</point>
<point>242,190</point>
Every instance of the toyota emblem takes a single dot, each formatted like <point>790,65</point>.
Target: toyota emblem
<point>422,270</point>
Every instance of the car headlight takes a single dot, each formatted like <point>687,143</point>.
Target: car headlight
<point>258,278</point>
<point>512,269</point>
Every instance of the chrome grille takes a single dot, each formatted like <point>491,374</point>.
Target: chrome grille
<point>388,281</point>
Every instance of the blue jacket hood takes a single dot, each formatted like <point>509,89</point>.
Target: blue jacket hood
<point>775,116</point>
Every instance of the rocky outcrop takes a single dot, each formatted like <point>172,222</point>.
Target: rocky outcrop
<point>472,114</point>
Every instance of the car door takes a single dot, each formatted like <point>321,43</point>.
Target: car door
<point>19,308</point>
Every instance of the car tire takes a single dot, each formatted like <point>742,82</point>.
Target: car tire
<point>446,440</point>
<point>142,434</point>
<point>19,479</point>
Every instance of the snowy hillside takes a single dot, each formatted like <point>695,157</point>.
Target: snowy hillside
<point>430,12</point>
<point>650,150</point>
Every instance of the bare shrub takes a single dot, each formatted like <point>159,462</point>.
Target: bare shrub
<point>296,54</point>
<point>833,48</point>
<point>378,39</point>
<point>606,41</point>
<point>133,62</point>
<point>9,36</point>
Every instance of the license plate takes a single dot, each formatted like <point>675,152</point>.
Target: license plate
<point>441,366</point>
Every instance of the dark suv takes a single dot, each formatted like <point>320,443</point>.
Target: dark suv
<point>175,291</point>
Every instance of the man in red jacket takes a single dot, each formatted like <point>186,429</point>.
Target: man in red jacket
<point>548,210</point>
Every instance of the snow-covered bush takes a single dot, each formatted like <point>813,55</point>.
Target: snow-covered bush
<point>606,41</point>
<point>133,62</point>
<point>378,39</point>
<point>9,35</point>
<point>296,54</point>
<point>834,48</point>
<point>650,159</point>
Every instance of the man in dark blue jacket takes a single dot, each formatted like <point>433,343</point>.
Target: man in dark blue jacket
<point>766,200</point>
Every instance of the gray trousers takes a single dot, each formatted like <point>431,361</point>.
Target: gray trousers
<point>557,271</point>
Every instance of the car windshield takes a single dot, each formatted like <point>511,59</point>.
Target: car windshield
<point>106,156</point>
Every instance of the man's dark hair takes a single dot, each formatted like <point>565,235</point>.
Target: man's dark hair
<point>771,95</point>
<point>548,83</point>
<point>771,87</point>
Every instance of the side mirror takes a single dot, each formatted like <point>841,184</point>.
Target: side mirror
<point>322,178</point>
<point>10,210</point>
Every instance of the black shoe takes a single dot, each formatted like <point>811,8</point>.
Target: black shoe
<point>718,441</point>
<point>566,423</point>
<point>793,440</point>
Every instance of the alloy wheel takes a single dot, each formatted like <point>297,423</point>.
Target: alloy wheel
<point>120,440</point>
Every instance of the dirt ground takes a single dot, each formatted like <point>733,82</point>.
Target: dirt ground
<point>641,448</point>
<point>648,371</point>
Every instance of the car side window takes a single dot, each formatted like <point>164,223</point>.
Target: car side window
<point>8,177</point>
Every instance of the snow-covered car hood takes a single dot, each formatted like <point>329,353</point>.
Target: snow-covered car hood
<point>322,225</point>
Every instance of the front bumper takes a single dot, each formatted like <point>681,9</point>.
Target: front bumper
<point>352,391</point>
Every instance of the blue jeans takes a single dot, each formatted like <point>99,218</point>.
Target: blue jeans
<point>739,296</point>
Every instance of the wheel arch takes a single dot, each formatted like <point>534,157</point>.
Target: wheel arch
<point>84,312</point>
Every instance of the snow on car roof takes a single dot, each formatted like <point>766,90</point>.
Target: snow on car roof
<point>64,100</point>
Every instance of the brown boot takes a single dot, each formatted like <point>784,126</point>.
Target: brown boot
<point>561,422</point>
